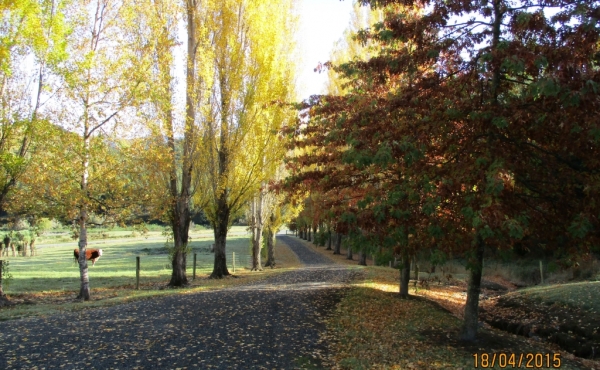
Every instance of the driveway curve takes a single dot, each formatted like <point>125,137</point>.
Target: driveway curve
<point>276,323</point>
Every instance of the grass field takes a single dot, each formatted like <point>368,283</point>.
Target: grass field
<point>49,282</point>
<point>54,268</point>
<point>578,295</point>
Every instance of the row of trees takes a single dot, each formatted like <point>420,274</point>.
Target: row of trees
<point>466,126</point>
<point>96,120</point>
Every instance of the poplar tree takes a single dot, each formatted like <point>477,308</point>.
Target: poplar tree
<point>251,72</point>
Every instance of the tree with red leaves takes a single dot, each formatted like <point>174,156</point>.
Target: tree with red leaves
<point>476,126</point>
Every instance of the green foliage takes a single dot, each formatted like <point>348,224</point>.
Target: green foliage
<point>580,227</point>
<point>438,257</point>
<point>321,237</point>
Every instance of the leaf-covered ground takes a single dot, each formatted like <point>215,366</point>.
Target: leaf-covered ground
<point>374,329</point>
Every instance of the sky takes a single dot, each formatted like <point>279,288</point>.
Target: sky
<point>322,23</point>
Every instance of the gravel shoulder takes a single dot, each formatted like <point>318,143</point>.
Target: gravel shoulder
<point>277,323</point>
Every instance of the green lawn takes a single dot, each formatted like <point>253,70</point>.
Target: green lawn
<point>54,268</point>
<point>577,295</point>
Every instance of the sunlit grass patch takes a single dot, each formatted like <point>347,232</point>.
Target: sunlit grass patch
<point>578,295</point>
<point>383,279</point>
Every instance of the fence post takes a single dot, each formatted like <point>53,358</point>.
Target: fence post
<point>541,272</point>
<point>233,258</point>
<point>194,275</point>
<point>137,273</point>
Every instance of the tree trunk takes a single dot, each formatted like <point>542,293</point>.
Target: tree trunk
<point>416,269</point>
<point>256,226</point>
<point>338,243</point>
<point>404,276</point>
<point>256,247</point>
<point>6,240</point>
<point>32,248</point>
<point>362,258</point>
<point>12,247</point>
<point>220,228</point>
<point>349,253</point>
<point>256,258</point>
<point>315,241</point>
<point>308,236</point>
<point>84,290</point>
<point>180,195</point>
<point>180,224</point>
<point>3,299</point>
<point>471,320</point>
<point>329,236</point>
<point>270,247</point>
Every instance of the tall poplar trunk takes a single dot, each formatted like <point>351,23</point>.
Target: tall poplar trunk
<point>349,253</point>
<point>362,258</point>
<point>404,275</point>
<point>329,237</point>
<point>270,246</point>
<point>471,319</point>
<point>220,228</point>
<point>181,196</point>
<point>180,224</point>
<point>338,243</point>
<point>84,290</point>
<point>223,211</point>
<point>257,231</point>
